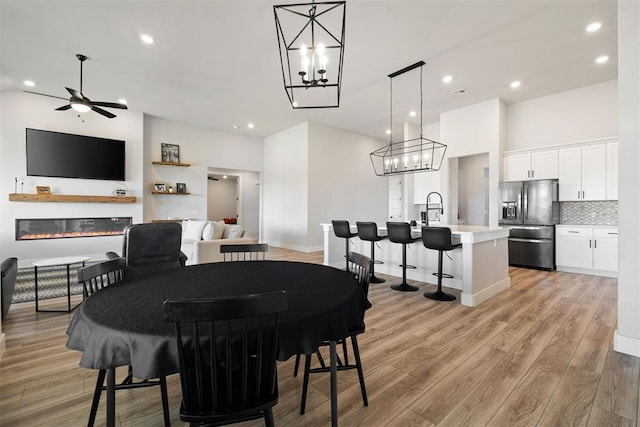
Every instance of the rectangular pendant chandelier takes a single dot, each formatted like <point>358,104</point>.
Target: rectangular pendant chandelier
<point>311,46</point>
<point>412,155</point>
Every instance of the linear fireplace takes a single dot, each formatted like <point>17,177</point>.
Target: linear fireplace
<point>62,228</point>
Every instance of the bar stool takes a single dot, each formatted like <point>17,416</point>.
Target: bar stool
<point>368,231</point>
<point>342,229</point>
<point>400,232</point>
<point>439,239</point>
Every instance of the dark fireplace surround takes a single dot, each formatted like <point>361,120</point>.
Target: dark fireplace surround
<point>64,228</point>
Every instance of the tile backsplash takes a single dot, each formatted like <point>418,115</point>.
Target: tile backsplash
<point>589,213</point>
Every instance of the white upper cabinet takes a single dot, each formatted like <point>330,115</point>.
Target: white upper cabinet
<point>582,173</point>
<point>612,171</point>
<point>531,165</point>
<point>423,184</point>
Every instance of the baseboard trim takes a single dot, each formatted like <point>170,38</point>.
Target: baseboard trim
<point>485,294</point>
<point>626,345</point>
<point>2,345</point>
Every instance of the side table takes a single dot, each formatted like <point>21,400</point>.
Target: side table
<point>52,262</point>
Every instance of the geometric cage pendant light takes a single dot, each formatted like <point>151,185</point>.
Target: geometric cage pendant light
<point>412,155</point>
<point>311,46</point>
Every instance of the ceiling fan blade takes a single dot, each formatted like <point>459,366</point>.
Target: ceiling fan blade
<point>64,107</point>
<point>110,105</point>
<point>103,112</point>
<point>75,93</point>
<point>44,94</point>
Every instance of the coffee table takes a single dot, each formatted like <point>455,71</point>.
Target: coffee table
<point>53,262</point>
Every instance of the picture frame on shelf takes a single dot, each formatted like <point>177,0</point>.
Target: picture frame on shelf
<point>41,189</point>
<point>181,187</point>
<point>160,187</point>
<point>170,153</point>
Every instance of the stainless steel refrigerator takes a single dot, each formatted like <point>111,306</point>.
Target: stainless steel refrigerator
<point>530,210</point>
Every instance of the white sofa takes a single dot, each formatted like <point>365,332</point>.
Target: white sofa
<point>201,239</point>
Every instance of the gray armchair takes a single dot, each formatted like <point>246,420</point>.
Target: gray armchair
<point>9,273</point>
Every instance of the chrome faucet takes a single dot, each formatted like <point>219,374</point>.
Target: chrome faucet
<point>441,208</point>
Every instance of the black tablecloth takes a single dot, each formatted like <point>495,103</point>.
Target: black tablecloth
<point>124,324</point>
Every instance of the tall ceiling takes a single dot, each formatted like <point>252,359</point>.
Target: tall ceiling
<point>216,63</point>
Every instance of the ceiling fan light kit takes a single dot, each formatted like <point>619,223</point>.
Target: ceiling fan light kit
<point>311,46</point>
<point>80,103</point>
<point>411,155</point>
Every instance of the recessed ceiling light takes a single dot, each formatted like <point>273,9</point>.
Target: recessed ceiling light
<point>593,27</point>
<point>447,79</point>
<point>122,101</point>
<point>412,113</point>
<point>602,59</point>
<point>29,83</point>
<point>250,125</point>
<point>236,126</point>
<point>224,176</point>
<point>146,39</point>
<point>388,131</point>
<point>515,84</point>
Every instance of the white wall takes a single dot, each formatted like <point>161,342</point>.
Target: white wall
<point>471,188</point>
<point>201,147</point>
<point>627,338</point>
<point>581,114</point>
<point>222,199</point>
<point>474,129</point>
<point>342,182</point>
<point>285,188</point>
<point>20,110</point>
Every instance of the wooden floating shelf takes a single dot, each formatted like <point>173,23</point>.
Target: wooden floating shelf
<point>172,194</point>
<point>69,198</point>
<point>171,163</point>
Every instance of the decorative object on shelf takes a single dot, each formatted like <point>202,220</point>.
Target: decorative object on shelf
<point>81,103</point>
<point>159,187</point>
<point>407,156</point>
<point>40,189</point>
<point>170,153</point>
<point>181,187</point>
<point>311,45</point>
<point>15,190</point>
<point>170,189</point>
<point>121,191</point>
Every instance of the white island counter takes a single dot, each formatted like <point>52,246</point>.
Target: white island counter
<point>480,269</point>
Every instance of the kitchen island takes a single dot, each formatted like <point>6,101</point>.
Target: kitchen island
<point>480,268</point>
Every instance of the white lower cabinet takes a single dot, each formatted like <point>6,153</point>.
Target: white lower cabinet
<point>588,250</point>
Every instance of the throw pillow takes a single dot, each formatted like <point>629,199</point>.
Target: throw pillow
<point>209,231</point>
<point>194,230</point>
<point>232,232</point>
<point>218,229</point>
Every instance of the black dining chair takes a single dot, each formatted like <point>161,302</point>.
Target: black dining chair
<point>360,267</point>
<point>93,279</point>
<point>368,231</point>
<point>150,247</point>
<point>227,350</point>
<point>400,232</point>
<point>439,239</point>
<point>244,252</point>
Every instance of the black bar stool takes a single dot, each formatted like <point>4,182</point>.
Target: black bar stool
<point>342,229</point>
<point>400,232</point>
<point>439,239</point>
<point>368,231</point>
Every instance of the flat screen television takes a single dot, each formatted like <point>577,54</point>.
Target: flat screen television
<point>64,155</point>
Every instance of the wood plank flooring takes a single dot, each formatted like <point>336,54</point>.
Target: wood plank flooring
<point>538,354</point>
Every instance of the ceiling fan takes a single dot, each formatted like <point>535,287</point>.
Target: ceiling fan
<point>81,103</point>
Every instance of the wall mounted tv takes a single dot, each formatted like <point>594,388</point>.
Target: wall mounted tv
<point>64,155</point>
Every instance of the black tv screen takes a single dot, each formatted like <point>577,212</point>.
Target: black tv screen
<point>64,155</point>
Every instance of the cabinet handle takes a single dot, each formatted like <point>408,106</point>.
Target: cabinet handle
<point>576,232</point>
<point>533,174</point>
<point>578,194</point>
<point>595,244</point>
<point>583,194</point>
<point>613,233</point>
<point>589,242</point>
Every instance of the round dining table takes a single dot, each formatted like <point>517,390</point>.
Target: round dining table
<point>124,324</point>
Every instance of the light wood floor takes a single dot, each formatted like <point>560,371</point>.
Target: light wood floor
<point>537,354</point>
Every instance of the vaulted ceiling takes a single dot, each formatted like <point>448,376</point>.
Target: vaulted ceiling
<point>216,63</point>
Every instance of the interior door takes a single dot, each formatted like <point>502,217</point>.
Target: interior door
<point>395,199</point>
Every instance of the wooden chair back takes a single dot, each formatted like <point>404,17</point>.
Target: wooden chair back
<point>244,252</point>
<point>99,276</point>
